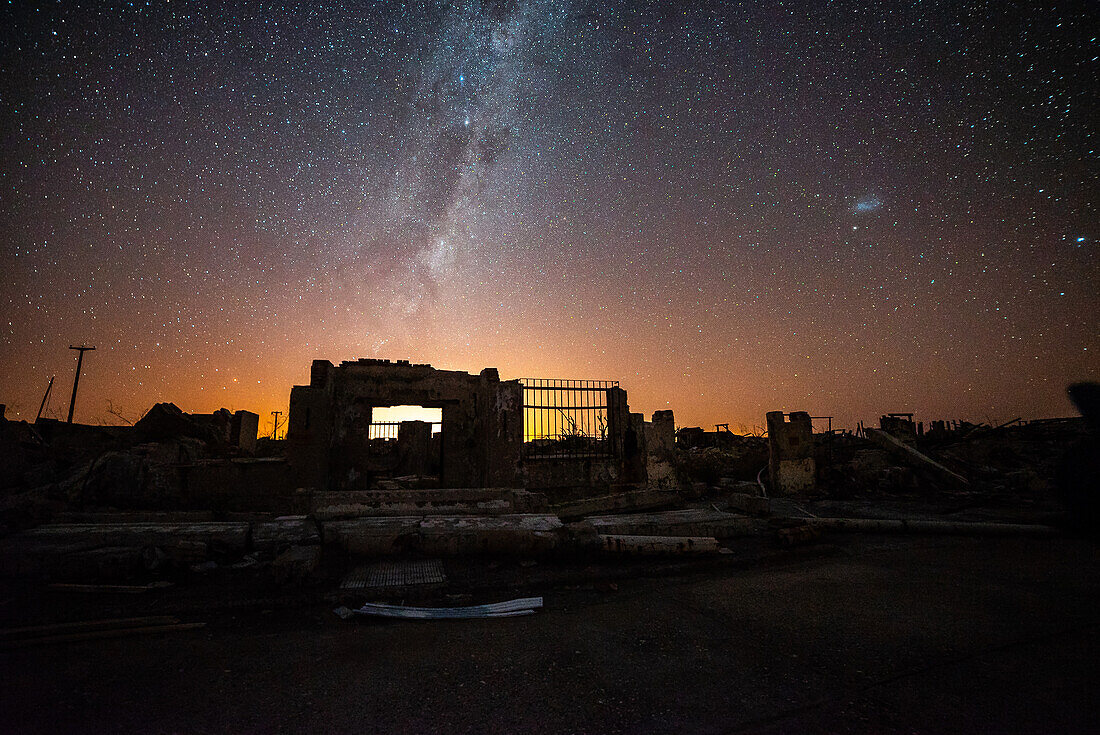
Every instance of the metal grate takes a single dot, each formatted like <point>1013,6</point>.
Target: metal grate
<point>391,574</point>
<point>565,418</point>
<point>389,429</point>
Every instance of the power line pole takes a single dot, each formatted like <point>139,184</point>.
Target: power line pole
<point>275,429</point>
<point>76,380</point>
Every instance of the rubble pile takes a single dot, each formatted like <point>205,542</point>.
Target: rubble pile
<point>178,495</point>
<point>168,460</point>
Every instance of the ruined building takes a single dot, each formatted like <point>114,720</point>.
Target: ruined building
<point>558,435</point>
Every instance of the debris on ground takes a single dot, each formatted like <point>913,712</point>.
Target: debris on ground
<point>512,608</point>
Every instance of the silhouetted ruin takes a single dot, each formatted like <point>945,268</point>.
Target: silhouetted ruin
<point>517,481</point>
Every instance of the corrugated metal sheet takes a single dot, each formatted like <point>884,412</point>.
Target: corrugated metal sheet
<point>512,608</point>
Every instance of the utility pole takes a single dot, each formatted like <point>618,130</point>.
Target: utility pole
<point>45,399</point>
<point>76,380</point>
<point>275,429</point>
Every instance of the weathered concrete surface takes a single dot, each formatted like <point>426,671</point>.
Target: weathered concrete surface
<point>694,522</point>
<point>232,537</point>
<point>928,527</point>
<point>631,500</point>
<point>527,534</point>
<point>285,531</point>
<point>658,545</point>
<point>135,516</point>
<point>374,536</point>
<point>756,505</point>
<point>73,547</point>
<point>435,501</point>
<point>360,510</point>
<point>791,464</point>
<point>556,475</point>
<point>660,444</point>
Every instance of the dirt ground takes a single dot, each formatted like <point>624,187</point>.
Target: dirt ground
<point>880,635</point>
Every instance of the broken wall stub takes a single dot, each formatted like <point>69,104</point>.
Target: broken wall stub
<point>661,434</point>
<point>414,447</point>
<point>660,442</point>
<point>329,423</point>
<point>238,429</point>
<point>900,426</point>
<point>791,465</point>
<point>244,430</point>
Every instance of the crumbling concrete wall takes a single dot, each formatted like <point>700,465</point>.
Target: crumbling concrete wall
<point>660,443</point>
<point>327,437</point>
<point>900,426</point>
<point>242,484</point>
<point>567,477</point>
<point>237,429</point>
<point>661,434</point>
<point>791,464</point>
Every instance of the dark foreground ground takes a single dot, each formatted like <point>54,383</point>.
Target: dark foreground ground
<point>881,635</point>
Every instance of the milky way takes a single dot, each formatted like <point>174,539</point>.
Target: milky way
<point>843,208</point>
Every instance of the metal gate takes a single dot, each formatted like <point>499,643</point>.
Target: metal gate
<point>565,418</point>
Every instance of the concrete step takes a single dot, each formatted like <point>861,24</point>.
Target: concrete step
<point>90,548</point>
<point>435,501</point>
<point>77,549</point>
<point>692,522</point>
<point>523,534</point>
<point>633,500</point>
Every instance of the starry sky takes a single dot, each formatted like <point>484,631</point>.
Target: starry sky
<point>842,207</point>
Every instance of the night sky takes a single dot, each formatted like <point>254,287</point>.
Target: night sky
<point>845,208</point>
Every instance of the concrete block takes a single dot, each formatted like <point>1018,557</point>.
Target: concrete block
<point>755,505</point>
<point>527,534</point>
<point>82,547</point>
<point>694,522</point>
<point>285,531</point>
<point>658,545</point>
<point>637,500</point>
<point>373,536</point>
